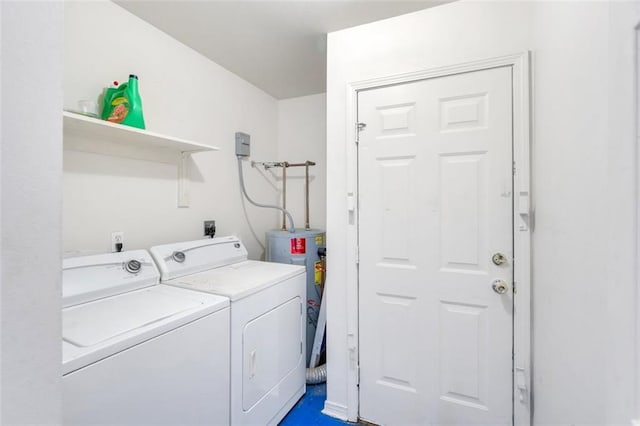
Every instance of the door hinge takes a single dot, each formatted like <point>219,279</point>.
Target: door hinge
<point>522,385</point>
<point>357,375</point>
<point>357,255</point>
<point>301,348</point>
<point>514,168</point>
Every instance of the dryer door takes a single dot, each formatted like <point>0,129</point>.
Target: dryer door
<point>272,349</point>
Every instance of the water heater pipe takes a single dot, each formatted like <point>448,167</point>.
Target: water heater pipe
<point>284,194</point>
<point>292,228</point>
<point>270,164</point>
<point>285,165</point>
<point>306,196</point>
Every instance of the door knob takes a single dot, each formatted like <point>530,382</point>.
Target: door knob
<point>499,259</point>
<point>500,286</point>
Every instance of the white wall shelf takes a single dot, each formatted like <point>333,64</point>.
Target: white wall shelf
<point>87,134</point>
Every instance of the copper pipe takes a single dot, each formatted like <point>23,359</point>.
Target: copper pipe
<point>306,195</point>
<point>305,164</point>
<point>284,193</point>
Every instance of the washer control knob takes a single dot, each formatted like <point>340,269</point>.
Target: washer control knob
<point>133,266</point>
<point>178,256</point>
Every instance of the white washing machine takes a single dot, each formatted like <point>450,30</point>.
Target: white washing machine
<point>267,321</point>
<point>138,353</point>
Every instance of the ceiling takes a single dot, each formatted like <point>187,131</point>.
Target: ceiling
<point>278,46</point>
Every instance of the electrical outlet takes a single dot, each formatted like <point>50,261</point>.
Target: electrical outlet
<point>117,238</point>
<point>210,228</point>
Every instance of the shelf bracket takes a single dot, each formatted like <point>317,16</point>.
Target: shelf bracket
<point>183,180</point>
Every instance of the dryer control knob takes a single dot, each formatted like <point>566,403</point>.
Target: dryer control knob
<point>178,256</point>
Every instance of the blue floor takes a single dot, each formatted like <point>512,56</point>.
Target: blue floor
<point>308,410</point>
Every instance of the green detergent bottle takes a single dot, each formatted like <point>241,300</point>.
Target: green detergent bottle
<point>123,105</point>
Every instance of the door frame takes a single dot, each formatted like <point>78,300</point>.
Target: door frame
<point>523,221</point>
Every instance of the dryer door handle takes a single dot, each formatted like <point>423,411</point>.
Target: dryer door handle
<point>252,364</point>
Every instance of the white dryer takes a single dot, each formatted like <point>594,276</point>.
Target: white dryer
<point>135,352</point>
<point>267,321</point>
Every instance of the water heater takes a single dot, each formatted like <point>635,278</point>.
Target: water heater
<point>301,248</point>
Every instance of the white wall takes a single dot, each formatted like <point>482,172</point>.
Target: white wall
<point>30,178</point>
<point>302,134</point>
<point>183,94</point>
<point>584,251</point>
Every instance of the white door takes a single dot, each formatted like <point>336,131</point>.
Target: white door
<point>435,178</point>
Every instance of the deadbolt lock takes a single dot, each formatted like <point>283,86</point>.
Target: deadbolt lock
<point>499,258</point>
<point>500,286</point>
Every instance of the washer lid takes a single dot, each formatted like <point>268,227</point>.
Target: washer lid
<point>239,279</point>
<point>98,329</point>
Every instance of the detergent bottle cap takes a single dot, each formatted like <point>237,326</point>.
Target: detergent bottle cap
<point>133,76</point>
